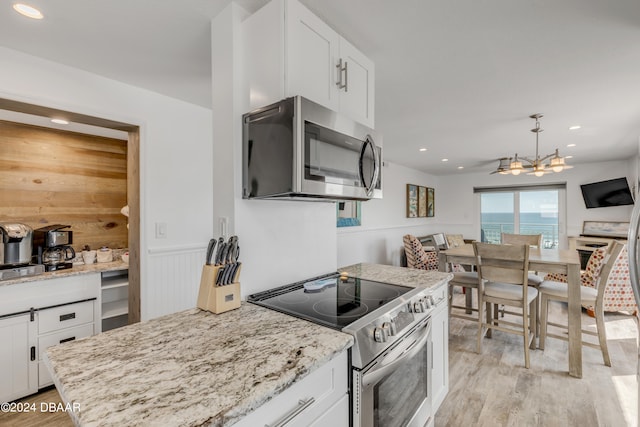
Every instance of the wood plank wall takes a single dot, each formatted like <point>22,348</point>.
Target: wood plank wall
<point>48,176</point>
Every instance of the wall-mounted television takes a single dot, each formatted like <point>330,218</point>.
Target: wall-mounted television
<point>613,192</point>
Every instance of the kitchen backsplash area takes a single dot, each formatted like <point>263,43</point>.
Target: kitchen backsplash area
<point>61,177</point>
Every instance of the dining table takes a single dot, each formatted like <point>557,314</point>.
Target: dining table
<point>545,261</point>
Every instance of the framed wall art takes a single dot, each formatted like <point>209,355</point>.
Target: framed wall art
<point>412,201</point>
<point>431,202</point>
<point>605,228</point>
<point>422,201</point>
<point>349,213</point>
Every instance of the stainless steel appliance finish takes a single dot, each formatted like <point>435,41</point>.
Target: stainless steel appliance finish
<point>297,149</point>
<point>15,249</point>
<point>392,355</point>
<point>395,389</point>
<point>51,247</point>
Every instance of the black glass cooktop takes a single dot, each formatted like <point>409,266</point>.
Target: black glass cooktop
<point>329,300</point>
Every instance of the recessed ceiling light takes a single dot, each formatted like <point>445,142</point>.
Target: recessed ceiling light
<point>568,157</point>
<point>571,145</point>
<point>576,127</point>
<point>60,121</point>
<point>423,149</point>
<point>460,167</point>
<point>445,160</point>
<point>28,11</point>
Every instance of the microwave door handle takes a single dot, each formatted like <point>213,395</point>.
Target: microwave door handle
<point>413,349</point>
<point>376,165</point>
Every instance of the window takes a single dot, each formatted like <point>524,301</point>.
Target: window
<point>522,210</point>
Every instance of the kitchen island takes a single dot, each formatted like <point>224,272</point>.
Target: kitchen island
<point>197,368</point>
<point>189,368</point>
<point>400,276</point>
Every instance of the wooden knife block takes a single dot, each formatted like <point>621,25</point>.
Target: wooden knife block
<point>217,299</point>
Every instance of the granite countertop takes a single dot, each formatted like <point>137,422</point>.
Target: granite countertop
<point>189,368</point>
<point>402,276</point>
<point>73,271</point>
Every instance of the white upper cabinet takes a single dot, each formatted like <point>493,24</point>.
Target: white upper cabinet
<point>290,51</point>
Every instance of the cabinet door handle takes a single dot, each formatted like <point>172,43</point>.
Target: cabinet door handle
<point>302,405</point>
<point>33,353</point>
<point>340,70</point>
<point>67,339</point>
<point>68,316</point>
<point>346,76</point>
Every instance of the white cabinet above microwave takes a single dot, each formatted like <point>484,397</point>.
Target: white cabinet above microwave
<point>290,51</point>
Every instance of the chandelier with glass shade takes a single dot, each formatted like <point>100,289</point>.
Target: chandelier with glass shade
<point>538,165</point>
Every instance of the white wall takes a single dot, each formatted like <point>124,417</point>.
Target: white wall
<point>384,221</point>
<point>280,241</point>
<point>461,208</point>
<point>176,165</point>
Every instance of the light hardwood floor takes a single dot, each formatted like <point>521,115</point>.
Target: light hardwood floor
<point>495,389</point>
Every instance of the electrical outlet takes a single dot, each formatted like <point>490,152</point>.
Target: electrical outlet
<point>161,230</point>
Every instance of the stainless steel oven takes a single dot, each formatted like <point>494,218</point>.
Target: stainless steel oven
<point>391,360</point>
<point>395,389</point>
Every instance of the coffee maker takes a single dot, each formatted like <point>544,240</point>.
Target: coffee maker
<point>51,247</point>
<point>15,244</point>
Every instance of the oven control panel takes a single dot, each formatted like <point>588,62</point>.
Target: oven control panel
<point>375,335</point>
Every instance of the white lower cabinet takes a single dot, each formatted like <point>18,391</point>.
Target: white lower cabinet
<point>320,399</point>
<point>440,347</point>
<point>36,315</point>
<point>18,359</point>
<point>62,324</point>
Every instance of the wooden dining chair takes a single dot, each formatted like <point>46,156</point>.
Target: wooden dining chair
<point>534,241</point>
<point>559,291</point>
<point>502,279</point>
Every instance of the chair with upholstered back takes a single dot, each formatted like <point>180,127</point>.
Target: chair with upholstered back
<point>558,291</point>
<point>468,280</point>
<point>502,280</point>
<point>618,294</point>
<point>417,256</point>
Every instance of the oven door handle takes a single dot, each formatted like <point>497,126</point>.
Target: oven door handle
<point>411,350</point>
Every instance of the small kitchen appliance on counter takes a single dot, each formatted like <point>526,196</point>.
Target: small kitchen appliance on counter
<point>15,251</point>
<point>51,247</point>
<point>391,326</point>
<point>16,244</point>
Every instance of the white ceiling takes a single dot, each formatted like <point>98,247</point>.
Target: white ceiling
<point>458,77</point>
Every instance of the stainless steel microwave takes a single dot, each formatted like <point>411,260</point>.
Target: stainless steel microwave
<point>297,149</point>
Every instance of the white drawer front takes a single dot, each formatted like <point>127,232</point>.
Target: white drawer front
<point>65,335</point>
<point>55,338</point>
<point>66,316</point>
<point>440,293</point>
<point>326,386</point>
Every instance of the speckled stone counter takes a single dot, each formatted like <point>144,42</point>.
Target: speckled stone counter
<point>73,271</point>
<point>397,275</point>
<point>190,368</point>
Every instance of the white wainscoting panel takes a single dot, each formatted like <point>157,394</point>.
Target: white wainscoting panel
<point>172,280</point>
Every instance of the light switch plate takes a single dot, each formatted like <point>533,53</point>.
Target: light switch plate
<point>161,230</point>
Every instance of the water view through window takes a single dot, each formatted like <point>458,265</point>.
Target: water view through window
<point>520,212</point>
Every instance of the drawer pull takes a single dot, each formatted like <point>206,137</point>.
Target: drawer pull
<point>302,405</point>
<point>33,353</point>
<point>67,339</point>
<point>68,316</point>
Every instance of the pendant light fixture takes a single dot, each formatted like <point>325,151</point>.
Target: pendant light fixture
<point>538,165</point>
